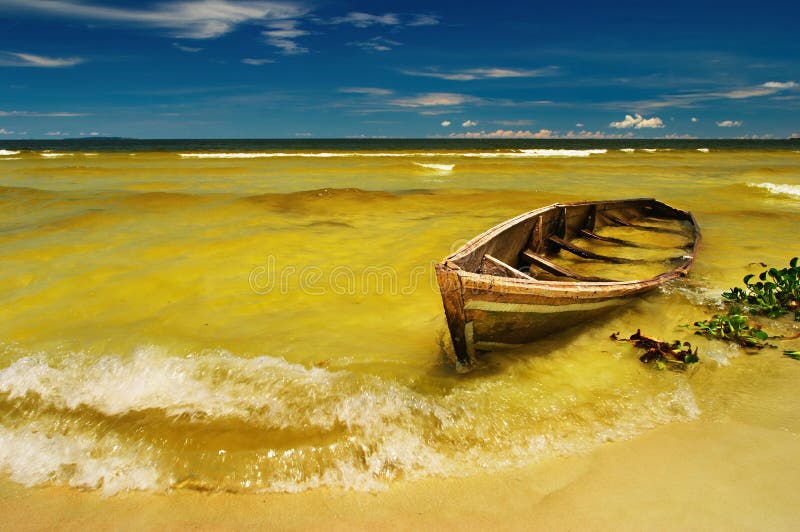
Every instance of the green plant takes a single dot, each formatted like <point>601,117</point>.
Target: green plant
<point>733,327</point>
<point>776,293</point>
<point>792,354</point>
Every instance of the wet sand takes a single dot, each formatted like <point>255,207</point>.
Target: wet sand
<point>698,475</point>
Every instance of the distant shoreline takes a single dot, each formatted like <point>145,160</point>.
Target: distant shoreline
<point>126,144</point>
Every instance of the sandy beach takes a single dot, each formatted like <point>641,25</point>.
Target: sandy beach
<point>691,476</point>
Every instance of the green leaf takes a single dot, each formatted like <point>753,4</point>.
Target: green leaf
<point>793,262</point>
<point>792,354</point>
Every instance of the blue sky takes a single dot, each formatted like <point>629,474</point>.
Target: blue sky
<point>263,69</point>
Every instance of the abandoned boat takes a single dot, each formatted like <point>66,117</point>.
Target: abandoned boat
<point>557,266</point>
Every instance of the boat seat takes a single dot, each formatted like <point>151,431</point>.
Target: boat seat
<point>553,268</point>
<point>585,253</point>
<point>493,266</point>
<point>619,221</point>
<point>594,236</point>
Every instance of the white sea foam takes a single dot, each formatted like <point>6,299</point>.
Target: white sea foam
<point>784,189</point>
<point>703,150</point>
<point>367,430</point>
<point>53,155</point>
<point>32,455</point>
<point>628,150</point>
<point>538,152</point>
<point>439,167</point>
<point>8,152</point>
<point>11,159</point>
<point>495,154</point>
<point>313,155</point>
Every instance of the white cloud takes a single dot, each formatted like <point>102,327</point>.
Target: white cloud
<point>595,135</point>
<point>17,59</point>
<point>376,44</point>
<point>469,123</point>
<point>514,123</point>
<point>638,122</point>
<point>579,124</point>
<point>730,123</point>
<point>365,20</point>
<point>677,136</point>
<point>369,91</point>
<point>690,99</point>
<point>434,99</point>
<point>765,136</point>
<point>694,119</point>
<point>794,136</point>
<point>446,123</point>
<point>483,73</point>
<point>282,34</point>
<point>505,134</point>
<point>4,131</point>
<point>56,133</point>
<point>38,114</point>
<point>195,19</point>
<point>750,92</point>
<point>424,20</point>
<point>188,49</point>
<point>781,85</point>
<point>256,62</point>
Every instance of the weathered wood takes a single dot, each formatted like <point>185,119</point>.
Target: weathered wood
<point>594,236</point>
<point>487,312</point>
<point>591,220</point>
<point>619,221</point>
<point>585,253</point>
<point>555,269</point>
<point>537,237</point>
<point>450,288</point>
<point>493,266</point>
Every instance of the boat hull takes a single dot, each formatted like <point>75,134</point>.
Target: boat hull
<point>487,312</point>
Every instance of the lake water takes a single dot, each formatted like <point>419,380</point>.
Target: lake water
<point>263,315</point>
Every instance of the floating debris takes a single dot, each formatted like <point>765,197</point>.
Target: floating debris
<point>676,355</point>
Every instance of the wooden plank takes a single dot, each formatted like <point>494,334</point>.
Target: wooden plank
<point>620,221</point>
<point>594,236</point>
<point>585,253</point>
<point>493,266</point>
<point>452,299</point>
<point>591,219</point>
<point>555,269</point>
<point>537,237</point>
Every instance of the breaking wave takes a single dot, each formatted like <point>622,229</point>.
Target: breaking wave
<point>3,153</point>
<point>215,421</point>
<point>439,167</point>
<point>783,189</point>
<point>493,154</point>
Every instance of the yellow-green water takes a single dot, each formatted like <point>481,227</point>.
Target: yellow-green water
<point>272,322</point>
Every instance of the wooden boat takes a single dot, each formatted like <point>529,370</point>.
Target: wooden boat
<point>557,266</point>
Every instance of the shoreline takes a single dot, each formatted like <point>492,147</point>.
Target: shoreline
<point>659,480</point>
